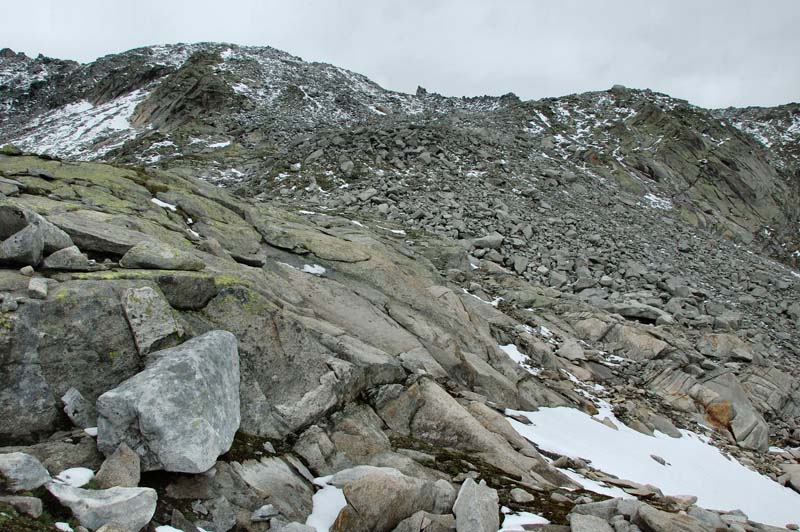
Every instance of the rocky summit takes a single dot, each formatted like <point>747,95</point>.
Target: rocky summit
<point>241,291</point>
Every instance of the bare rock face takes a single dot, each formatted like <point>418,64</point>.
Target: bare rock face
<point>182,411</point>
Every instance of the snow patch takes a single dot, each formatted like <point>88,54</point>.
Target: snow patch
<point>221,144</point>
<point>657,202</point>
<point>520,358</point>
<point>513,522</point>
<point>695,466</point>
<point>327,503</point>
<point>314,269</point>
<point>164,204</point>
<point>82,130</point>
<point>76,476</point>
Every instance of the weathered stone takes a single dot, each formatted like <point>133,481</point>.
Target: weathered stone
<point>296,527</point>
<point>521,496</point>
<point>571,350</point>
<point>655,520</point>
<point>69,259</point>
<point>159,256</point>
<point>131,508</point>
<point>28,505</point>
<point>81,412</point>
<point>22,472</point>
<point>121,469</point>
<point>379,501</point>
<point>588,523</point>
<point>476,508</point>
<point>182,411</point>
<point>37,288</point>
<point>275,482</point>
<point>490,241</point>
<point>263,513</point>
<point>151,319</point>
<point>427,522</point>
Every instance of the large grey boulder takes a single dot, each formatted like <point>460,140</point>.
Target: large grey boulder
<point>158,256</point>
<point>477,508</point>
<point>22,472</point>
<point>182,411</point>
<point>746,423</point>
<point>132,508</point>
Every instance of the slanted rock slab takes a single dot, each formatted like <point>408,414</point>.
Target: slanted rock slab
<point>158,256</point>
<point>182,411</point>
<point>131,508</point>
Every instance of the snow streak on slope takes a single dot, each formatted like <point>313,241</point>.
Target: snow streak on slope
<point>693,466</point>
<point>82,130</point>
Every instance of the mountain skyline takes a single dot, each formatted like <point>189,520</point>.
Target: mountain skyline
<point>724,55</point>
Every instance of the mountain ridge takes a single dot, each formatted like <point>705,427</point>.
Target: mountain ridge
<point>202,103</point>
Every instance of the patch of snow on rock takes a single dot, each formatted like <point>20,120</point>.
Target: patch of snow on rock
<point>327,503</point>
<point>82,130</point>
<point>657,202</point>
<point>76,476</point>
<point>314,269</point>
<point>164,204</point>
<point>516,521</point>
<point>695,466</point>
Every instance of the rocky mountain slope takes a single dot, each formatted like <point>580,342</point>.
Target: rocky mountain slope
<point>244,292</point>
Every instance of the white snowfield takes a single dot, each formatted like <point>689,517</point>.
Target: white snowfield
<point>82,130</point>
<point>694,466</point>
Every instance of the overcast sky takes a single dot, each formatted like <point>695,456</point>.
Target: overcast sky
<point>715,53</point>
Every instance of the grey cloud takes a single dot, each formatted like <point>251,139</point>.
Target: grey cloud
<point>714,53</point>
